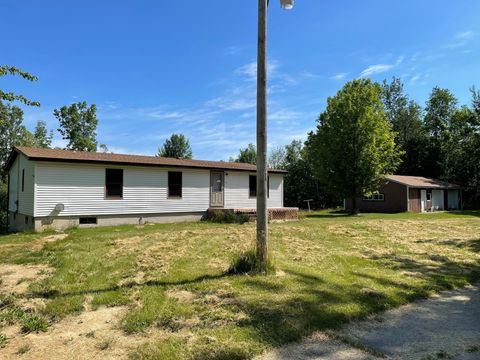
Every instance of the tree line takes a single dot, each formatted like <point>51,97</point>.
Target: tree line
<point>368,130</point>
<point>371,129</point>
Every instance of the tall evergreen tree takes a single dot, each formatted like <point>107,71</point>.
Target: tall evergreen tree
<point>247,155</point>
<point>177,146</point>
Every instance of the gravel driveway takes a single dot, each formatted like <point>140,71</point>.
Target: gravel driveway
<point>446,326</point>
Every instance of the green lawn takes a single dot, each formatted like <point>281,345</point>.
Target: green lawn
<point>331,268</point>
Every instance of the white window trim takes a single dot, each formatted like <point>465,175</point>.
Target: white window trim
<point>375,196</point>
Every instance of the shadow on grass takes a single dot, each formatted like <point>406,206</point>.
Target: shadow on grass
<point>278,314</point>
<point>331,214</point>
<point>475,213</point>
<point>473,245</point>
<point>51,294</point>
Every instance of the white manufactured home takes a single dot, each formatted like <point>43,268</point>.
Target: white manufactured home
<point>59,189</point>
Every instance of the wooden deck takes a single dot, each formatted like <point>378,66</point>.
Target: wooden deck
<point>285,213</point>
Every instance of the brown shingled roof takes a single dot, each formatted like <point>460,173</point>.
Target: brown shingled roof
<point>421,182</point>
<point>95,157</point>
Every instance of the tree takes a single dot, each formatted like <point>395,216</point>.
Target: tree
<point>405,115</point>
<point>10,96</point>
<point>300,184</point>
<point>12,132</point>
<point>277,160</point>
<point>440,108</point>
<point>247,155</point>
<point>42,138</point>
<point>441,105</point>
<point>78,125</point>
<point>354,146</point>
<point>103,148</point>
<point>177,146</point>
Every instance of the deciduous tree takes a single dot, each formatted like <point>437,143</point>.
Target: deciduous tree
<point>10,96</point>
<point>43,138</point>
<point>78,125</point>
<point>354,145</point>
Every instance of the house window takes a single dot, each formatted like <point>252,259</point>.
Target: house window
<point>87,220</point>
<point>23,180</point>
<point>252,180</point>
<point>376,196</point>
<point>114,183</point>
<point>429,195</point>
<point>174,184</point>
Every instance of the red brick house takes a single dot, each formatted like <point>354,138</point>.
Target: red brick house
<point>410,193</point>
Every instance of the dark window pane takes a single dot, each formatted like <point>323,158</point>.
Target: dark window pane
<point>174,184</point>
<point>114,182</point>
<point>252,186</point>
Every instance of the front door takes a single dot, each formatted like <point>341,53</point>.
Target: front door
<point>216,189</point>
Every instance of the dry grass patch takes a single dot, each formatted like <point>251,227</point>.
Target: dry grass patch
<point>161,291</point>
<point>89,335</point>
<point>15,279</point>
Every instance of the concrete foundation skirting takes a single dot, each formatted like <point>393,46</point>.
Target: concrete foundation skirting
<point>64,222</point>
<point>20,222</point>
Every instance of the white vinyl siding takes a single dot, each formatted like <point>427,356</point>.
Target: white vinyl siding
<point>237,191</point>
<point>25,197</point>
<point>81,189</point>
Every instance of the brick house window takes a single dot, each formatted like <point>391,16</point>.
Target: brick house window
<point>376,196</point>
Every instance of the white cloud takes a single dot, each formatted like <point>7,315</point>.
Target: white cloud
<point>376,69</point>
<point>59,143</point>
<point>250,70</point>
<point>232,50</point>
<point>339,76</point>
<point>381,68</point>
<point>461,39</point>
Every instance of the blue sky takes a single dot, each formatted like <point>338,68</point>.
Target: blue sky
<point>158,67</point>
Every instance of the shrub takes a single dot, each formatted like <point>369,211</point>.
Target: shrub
<point>226,217</point>
<point>247,263</point>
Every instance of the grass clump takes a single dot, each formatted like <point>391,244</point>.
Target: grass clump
<point>3,340</point>
<point>248,263</point>
<point>6,300</point>
<point>227,217</point>
<point>33,323</point>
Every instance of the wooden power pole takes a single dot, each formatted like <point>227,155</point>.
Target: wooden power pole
<point>262,211</point>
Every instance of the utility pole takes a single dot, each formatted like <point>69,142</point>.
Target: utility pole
<point>262,211</point>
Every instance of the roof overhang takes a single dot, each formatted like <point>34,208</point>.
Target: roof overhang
<point>16,151</point>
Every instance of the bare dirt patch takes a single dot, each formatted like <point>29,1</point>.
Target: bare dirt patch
<point>90,335</point>
<point>40,243</point>
<point>181,295</point>
<point>15,279</point>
